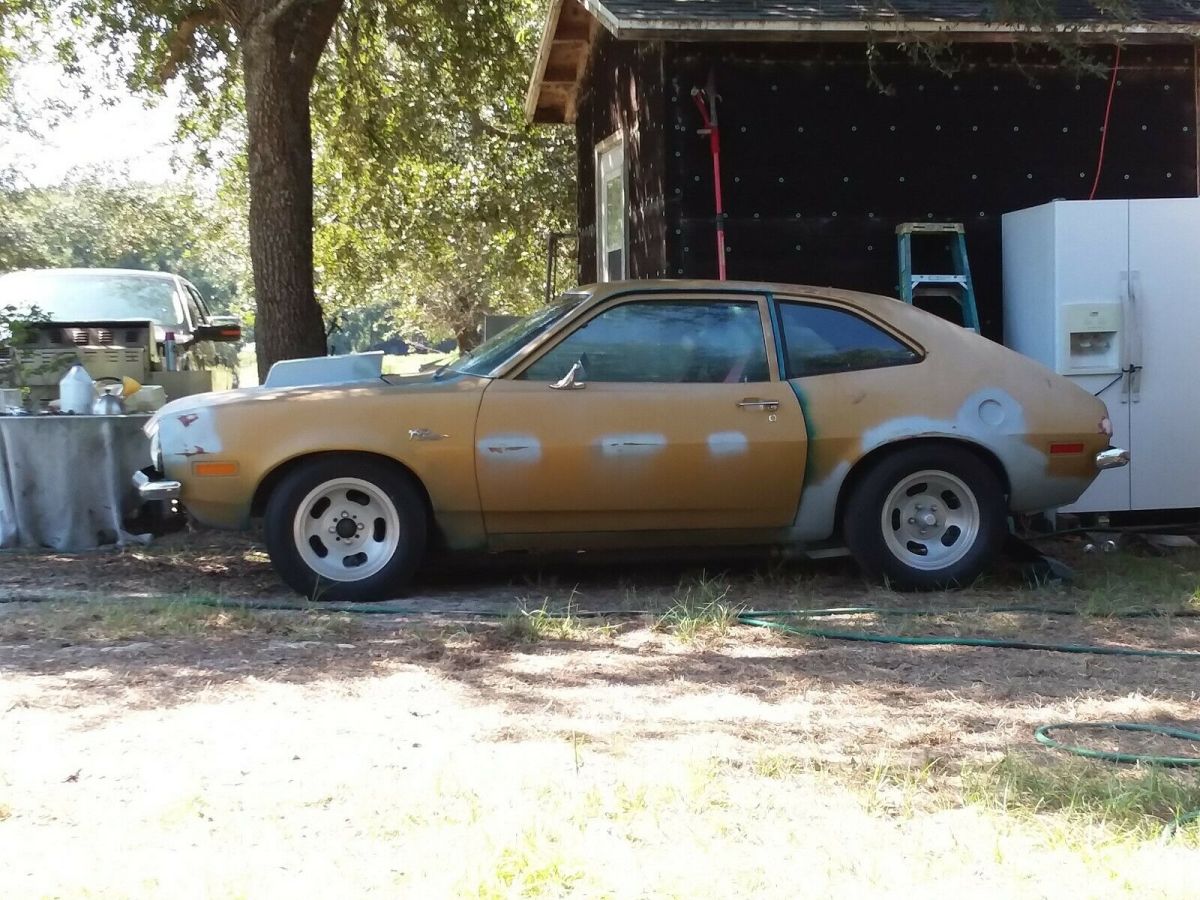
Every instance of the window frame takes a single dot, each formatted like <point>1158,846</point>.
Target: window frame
<point>204,308</point>
<point>879,324</point>
<point>574,323</point>
<point>615,141</point>
<point>192,295</point>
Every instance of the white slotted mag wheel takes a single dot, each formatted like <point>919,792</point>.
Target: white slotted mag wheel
<point>930,520</point>
<point>346,529</point>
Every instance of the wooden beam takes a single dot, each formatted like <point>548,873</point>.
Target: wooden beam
<point>581,69</point>
<point>543,57</point>
<point>549,115</point>
<point>561,60</point>
<point>572,31</point>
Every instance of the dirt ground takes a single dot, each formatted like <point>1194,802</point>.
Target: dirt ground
<point>154,744</point>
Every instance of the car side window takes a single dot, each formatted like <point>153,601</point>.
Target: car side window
<point>818,340</point>
<point>663,342</point>
<point>195,305</point>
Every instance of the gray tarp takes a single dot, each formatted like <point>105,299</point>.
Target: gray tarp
<point>65,480</point>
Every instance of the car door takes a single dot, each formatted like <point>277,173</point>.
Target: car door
<point>209,356</point>
<point>677,419</point>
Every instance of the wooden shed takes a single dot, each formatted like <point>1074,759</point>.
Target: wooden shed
<point>839,120</point>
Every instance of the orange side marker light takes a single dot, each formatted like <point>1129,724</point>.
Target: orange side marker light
<point>214,469</point>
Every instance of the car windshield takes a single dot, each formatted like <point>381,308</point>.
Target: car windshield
<point>493,352</point>
<point>84,296</point>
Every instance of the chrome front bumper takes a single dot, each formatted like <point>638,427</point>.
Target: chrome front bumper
<point>1112,458</point>
<point>155,490</point>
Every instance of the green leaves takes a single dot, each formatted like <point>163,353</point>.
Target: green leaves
<point>433,196</point>
<point>96,223</point>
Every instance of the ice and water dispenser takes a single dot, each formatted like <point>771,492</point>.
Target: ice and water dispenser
<point>1092,337</point>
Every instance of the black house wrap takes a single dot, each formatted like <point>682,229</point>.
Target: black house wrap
<point>822,155</point>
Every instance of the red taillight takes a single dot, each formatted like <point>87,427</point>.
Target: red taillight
<point>1106,428</point>
<point>1066,448</point>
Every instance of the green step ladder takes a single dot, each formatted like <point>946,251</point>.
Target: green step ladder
<point>956,286</point>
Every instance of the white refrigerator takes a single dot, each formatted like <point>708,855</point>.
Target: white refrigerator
<point>1107,293</point>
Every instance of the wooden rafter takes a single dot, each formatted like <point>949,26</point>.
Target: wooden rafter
<point>561,62</point>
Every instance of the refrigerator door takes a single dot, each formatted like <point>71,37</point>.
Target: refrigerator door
<point>1091,240</point>
<point>1164,306</point>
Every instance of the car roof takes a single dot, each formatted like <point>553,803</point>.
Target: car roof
<point>127,273</point>
<point>859,298</point>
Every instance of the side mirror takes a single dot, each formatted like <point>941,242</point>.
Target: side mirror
<point>574,380</point>
<point>221,329</point>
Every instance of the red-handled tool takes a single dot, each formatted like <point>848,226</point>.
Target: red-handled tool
<point>706,101</point>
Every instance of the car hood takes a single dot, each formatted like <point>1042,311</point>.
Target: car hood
<point>330,393</point>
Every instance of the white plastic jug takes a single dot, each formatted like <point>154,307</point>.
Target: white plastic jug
<point>76,391</point>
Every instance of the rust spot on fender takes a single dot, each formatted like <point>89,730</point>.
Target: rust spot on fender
<point>187,419</point>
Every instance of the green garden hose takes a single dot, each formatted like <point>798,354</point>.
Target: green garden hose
<point>1042,736</point>
<point>766,619</point>
<point>387,609</point>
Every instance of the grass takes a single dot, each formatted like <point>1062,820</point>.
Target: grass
<point>1014,823</point>
<point>533,864</point>
<point>1122,582</point>
<point>700,607</point>
<point>1066,800</point>
<point>529,625</point>
<point>109,619</point>
<point>1128,802</point>
<point>777,765</point>
<point>638,768</point>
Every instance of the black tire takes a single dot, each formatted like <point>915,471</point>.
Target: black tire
<point>908,559</point>
<point>395,567</point>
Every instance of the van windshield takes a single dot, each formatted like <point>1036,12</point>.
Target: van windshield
<point>88,296</point>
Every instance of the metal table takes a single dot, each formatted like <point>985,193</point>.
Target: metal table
<point>65,480</point>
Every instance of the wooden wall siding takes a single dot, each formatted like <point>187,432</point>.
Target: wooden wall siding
<point>623,89</point>
<point>819,166</point>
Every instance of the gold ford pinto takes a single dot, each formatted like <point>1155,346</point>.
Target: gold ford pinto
<point>651,412</point>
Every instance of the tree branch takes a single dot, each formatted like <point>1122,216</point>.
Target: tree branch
<point>312,34</point>
<point>480,125</point>
<point>179,44</point>
<point>284,8</point>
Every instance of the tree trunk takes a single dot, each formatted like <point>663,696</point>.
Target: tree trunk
<point>279,59</point>
<point>468,329</point>
<point>467,337</point>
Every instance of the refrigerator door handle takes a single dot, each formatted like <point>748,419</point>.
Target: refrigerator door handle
<point>1123,291</point>
<point>1133,336</point>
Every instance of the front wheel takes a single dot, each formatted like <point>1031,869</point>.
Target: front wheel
<point>346,528</point>
<point>926,518</point>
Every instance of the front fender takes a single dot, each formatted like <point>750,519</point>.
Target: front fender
<point>245,441</point>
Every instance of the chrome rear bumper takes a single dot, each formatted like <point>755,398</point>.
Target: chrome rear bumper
<point>155,490</point>
<point>1112,458</point>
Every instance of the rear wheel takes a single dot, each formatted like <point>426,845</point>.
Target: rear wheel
<point>926,518</point>
<point>346,528</point>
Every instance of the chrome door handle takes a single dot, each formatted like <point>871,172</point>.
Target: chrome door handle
<point>574,380</point>
<point>754,403</point>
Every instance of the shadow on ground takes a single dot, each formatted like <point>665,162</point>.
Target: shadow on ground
<point>734,682</point>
